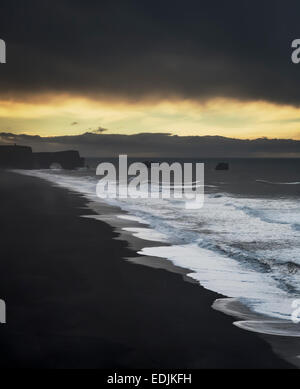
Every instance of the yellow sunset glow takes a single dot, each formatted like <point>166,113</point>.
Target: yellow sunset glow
<point>71,115</point>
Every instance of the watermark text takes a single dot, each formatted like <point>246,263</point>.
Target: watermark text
<point>152,180</point>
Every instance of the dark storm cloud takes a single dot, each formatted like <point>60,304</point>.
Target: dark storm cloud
<point>137,49</point>
<point>158,145</point>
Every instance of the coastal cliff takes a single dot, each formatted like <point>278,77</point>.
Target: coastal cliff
<point>22,157</point>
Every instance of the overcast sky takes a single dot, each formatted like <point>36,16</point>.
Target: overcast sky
<point>185,67</point>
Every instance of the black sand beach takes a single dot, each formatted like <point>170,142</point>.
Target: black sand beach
<point>74,302</point>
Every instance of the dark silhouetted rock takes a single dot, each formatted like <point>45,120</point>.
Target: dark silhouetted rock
<point>17,157</point>
<point>148,164</point>
<point>222,166</point>
<point>22,157</point>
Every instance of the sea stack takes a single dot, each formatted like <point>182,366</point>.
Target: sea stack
<point>22,157</point>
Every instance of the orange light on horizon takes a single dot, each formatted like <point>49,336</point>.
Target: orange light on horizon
<point>54,115</point>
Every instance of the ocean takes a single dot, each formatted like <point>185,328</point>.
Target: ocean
<point>244,243</point>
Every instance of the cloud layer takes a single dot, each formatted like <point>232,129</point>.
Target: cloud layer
<point>151,49</point>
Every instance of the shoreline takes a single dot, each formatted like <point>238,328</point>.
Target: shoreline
<point>96,309</point>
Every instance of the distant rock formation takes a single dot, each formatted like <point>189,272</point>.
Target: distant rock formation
<point>222,166</point>
<point>18,157</point>
<point>22,157</point>
<point>66,159</point>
